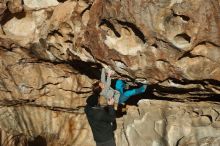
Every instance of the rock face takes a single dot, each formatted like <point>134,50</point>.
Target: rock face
<point>164,123</point>
<point>172,43</point>
<point>160,41</point>
<point>42,99</point>
<point>39,4</point>
<point>44,126</point>
<point>52,51</point>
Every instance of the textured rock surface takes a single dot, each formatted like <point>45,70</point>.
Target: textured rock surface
<point>39,4</point>
<point>55,127</point>
<point>164,123</point>
<point>51,52</point>
<point>39,98</point>
<point>160,41</point>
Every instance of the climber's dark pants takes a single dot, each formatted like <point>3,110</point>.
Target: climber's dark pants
<point>107,143</point>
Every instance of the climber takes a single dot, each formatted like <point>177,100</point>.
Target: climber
<point>120,95</point>
<point>126,93</point>
<point>101,119</point>
<point>107,91</point>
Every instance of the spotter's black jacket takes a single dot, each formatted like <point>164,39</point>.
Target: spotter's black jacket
<point>102,121</point>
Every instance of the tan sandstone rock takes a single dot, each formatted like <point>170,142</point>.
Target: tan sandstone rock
<point>39,4</point>
<point>52,51</point>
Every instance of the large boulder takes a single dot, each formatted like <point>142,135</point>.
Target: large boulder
<point>52,51</point>
<point>165,123</point>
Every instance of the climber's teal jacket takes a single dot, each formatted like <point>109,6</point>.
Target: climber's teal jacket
<point>124,96</point>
